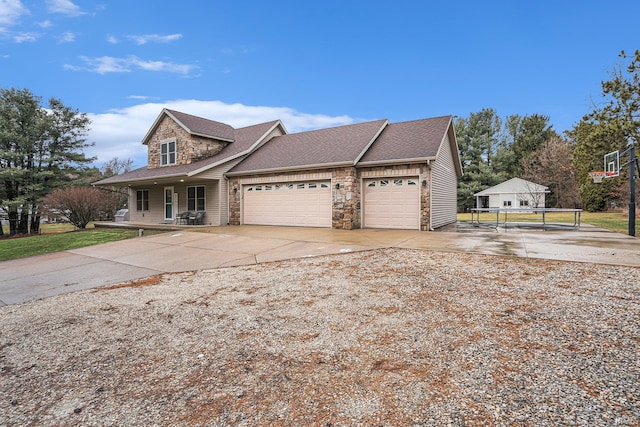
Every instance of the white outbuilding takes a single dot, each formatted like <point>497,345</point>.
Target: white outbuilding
<point>515,193</point>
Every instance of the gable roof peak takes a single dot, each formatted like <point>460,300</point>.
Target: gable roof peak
<point>194,125</point>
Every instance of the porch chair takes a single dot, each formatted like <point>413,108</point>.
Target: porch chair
<point>183,218</point>
<point>197,218</point>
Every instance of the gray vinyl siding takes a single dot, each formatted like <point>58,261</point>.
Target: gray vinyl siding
<point>444,187</point>
<point>155,214</point>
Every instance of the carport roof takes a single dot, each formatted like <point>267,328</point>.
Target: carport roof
<point>342,145</point>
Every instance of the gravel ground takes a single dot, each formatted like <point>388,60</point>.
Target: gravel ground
<point>385,337</point>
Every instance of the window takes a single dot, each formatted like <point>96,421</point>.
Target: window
<point>278,186</point>
<point>524,203</point>
<point>313,185</point>
<point>397,182</point>
<point>324,185</point>
<point>371,184</point>
<point>300,186</point>
<point>268,188</point>
<point>195,198</point>
<point>506,203</point>
<point>168,153</point>
<point>411,182</point>
<point>142,200</point>
<point>384,182</point>
<point>289,187</point>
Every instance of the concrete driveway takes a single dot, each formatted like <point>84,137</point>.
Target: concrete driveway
<point>46,275</point>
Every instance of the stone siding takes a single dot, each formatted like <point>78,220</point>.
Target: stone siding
<point>346,198</point>
<point>188,148</point>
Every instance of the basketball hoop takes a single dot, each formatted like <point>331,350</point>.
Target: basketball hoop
<point>597,176</point>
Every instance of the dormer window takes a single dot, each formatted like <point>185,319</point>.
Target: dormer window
<point>168,153</point>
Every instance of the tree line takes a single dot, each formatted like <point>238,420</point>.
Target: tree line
<point>493,150</point>
<point>44,171</point>
<point>41,155</point>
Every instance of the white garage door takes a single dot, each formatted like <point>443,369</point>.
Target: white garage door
<point>392,203</point>
<point>305,204</point>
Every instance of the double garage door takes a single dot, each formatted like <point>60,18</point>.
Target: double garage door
<point>387,203</point>
<point>305,204</point>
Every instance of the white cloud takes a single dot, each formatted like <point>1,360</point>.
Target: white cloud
<point>109,64</point>
<point>66,37</point>
<point>10,12</point>
<point>119,132</point>
<point>112,40</point>
<point>25,37</point>
<point>155,38</point>
<point>65,7</point>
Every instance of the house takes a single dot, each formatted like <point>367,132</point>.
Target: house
<point>374,174</point>
<point>515,193</point>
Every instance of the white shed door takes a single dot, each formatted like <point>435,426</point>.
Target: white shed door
<point>305,204</point>
<point>392,203</point>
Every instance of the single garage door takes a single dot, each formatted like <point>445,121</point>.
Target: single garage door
<point>305,204</point>
<point>392,203</point>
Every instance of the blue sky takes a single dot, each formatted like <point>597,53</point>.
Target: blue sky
<point>310,64</point>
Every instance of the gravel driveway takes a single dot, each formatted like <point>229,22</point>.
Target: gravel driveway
<point>384,337</point>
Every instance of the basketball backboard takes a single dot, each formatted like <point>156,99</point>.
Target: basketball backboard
<point>612,164</point>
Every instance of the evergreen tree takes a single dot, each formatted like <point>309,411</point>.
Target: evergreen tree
<point>40,150</point>
<point>477,141</point>
<point>607,128</point>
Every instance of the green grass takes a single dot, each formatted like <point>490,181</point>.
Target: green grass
<point>614,221</point>
<point>60,237</point>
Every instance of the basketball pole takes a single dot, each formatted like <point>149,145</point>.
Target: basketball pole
<point>632,190</point>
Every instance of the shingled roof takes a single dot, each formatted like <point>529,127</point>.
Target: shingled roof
<point>342,145</point>
<point>412,140</point>
<point>245,139</point>
<point>195,126</point>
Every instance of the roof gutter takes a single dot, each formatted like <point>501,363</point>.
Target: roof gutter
<point>290,169</point>
<point>395,161</point>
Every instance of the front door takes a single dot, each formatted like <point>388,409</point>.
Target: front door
<point>168,204</point>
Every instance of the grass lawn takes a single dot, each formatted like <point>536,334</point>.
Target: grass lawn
<point>60,237</point>
<point>614,221</point>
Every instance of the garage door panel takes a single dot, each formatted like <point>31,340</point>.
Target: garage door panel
<point>392,203</point>
<point>298,204</point>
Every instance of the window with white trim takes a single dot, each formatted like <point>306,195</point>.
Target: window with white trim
<point>142,200</point>
<point>196,198</point>
<point>524,203</point>
<point>168,153</point>
<point>506,203</point>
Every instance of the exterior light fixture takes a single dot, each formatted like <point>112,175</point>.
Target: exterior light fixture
<point>235,189</point>
<point>337,185</point>
<point>424,182</point>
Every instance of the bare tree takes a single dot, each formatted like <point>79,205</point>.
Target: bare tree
<point>116,166</point>
<point>552,166</point>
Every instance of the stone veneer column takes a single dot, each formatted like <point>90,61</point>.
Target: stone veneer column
<point>425,197</point>
<point>346,199</point>
<point>234,201</point>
